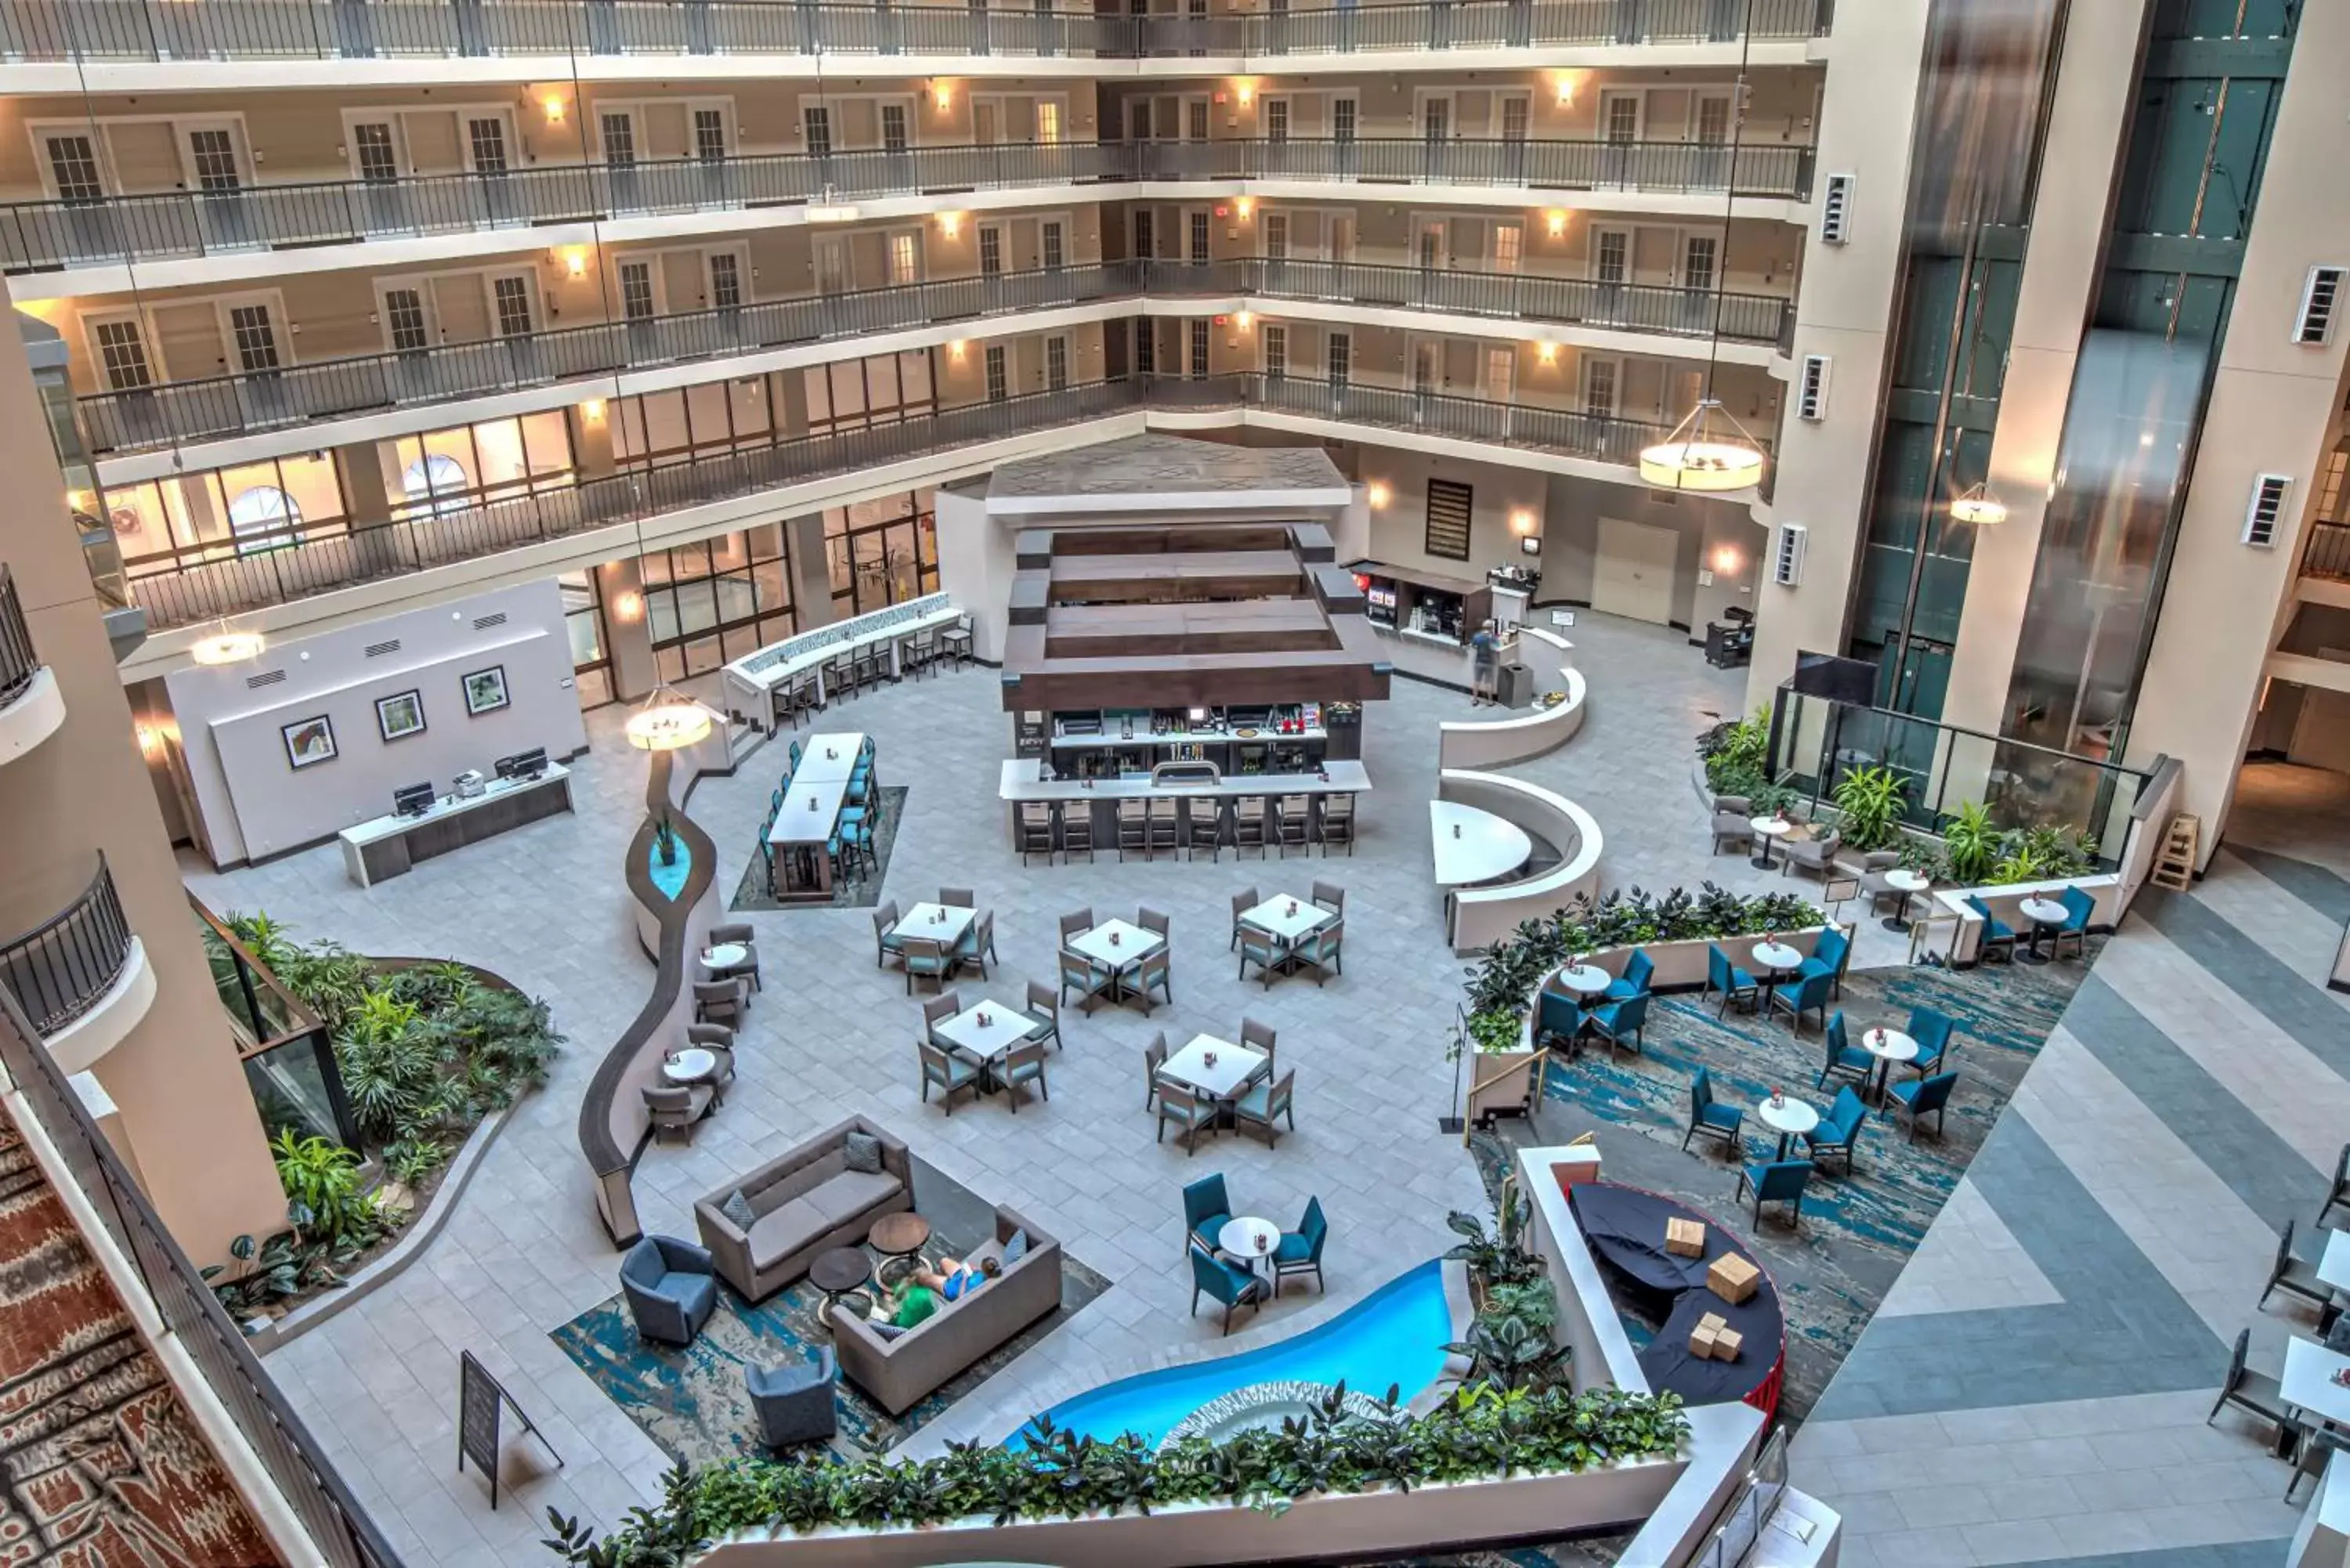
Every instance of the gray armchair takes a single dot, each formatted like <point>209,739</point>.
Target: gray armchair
<point>719,1041</point>
<point>675,1107</point>
<point>721,1001</point>
<point>1814,854</point>
<point>1733,823</point>
<point>748,969</point>
<point>794,1404</point>
<point>671,1287</point>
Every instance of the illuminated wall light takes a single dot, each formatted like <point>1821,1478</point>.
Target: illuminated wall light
<point>1556,219</point>
<point>629,607</point>
<point>80,500</point>
<point>942,94</point>
<point>575,261</point>
<point>1244,206</point>
<point>553,104</point>
<point>1547,352</point>
<point>1522,520</point>
<point>958,348</point>
<point>1726,562</point>
<point>151,745</point>
<point>1242,320</point>
<point>1379,494</point>
<point>592,410</point>
<point>1565,82</point>
<point>950,223</point>
<point>1243,92</point>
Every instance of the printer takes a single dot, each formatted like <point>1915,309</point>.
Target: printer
<point>469,784</point>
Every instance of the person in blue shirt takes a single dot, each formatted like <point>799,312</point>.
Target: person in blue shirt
<point>1485,656</point>
<point>953,1279</point>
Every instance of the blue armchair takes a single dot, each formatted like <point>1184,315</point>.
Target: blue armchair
<point>1620,1022</point>
<point>671,1288</point>
<point>1709,1117</point>
<point>1838,1133</point>
<point>1300,1251</point>
<point>1828,956</point>
<point>1926,1096</point>
<point>794,1404</point>
<point>1558,1021</point>
<point>2079,906</point>
<point>1205,1208</point>
<point>1844,1059</point>
<point>1635,977</point>
<point>1734,983</point>
<point>1806,995</point>
<point>1997,936</point>
<point>1227,1286</point>
<point>1780,1181</point>
<point>1933,1030</point>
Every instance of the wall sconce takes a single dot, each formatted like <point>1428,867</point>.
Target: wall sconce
<point>1556,219</point>
<point>1379,494</point>
<point>151,745</point>
<point>1567,82</point>
<point>1726,562</point>
<point>1522,520</point>
<point>575,261</point>
<point>1244,205</point>
<point>1242,320</point>
<point>629,607</point>
<point>553,104</point>
<point>950,223</point>
<point>592,410</point>
<point>80,500</point>
<point>956,350</point>
<point>1547,352</point>
<point>1244,91</point>
<point>942,95</point>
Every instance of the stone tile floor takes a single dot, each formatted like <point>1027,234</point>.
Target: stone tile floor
<point>831,1034</point>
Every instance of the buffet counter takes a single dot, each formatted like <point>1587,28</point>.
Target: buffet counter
<point>752,682</point>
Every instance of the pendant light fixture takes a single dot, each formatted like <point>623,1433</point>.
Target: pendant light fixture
<point>1977,504</point>
<point>1709,450</point>
<point>226,645</point>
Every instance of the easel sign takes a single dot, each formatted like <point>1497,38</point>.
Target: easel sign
<point>480,1400</point>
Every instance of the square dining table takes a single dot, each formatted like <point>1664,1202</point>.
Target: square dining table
<point>1274,918</point>
<point>987,1042</point>
<point>1131,946</point>
<point>942,923</point>
<point>1235,1066</point>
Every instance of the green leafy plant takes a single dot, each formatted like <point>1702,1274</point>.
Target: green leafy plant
<point>1498,1256</point>
<point>1868,804</point>
<point>1509,1352</point>
<point>1970,845</point>
<point>323,1200</point>
<point>665,840</point>
<point>1495,1031</point>
<point>412,1161</point>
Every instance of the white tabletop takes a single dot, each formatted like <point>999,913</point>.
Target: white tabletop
<point>1275,916</point>
<point>690,1066</point>
<point>1770,827</point>
<point>2046,911</point>
<point>844,747</point>
<point>1473,845</point>
<point>1004,1028</point>
<point>1777,956</point>
<point>1586,980</point>
<point>1235,1064</point>
<point>1790,1116</point>
<point>1239,1238</point>
<point>1907,881</point>
<point>811,807</point>
<point>1888,1044</point>
<point>1133,943</point>
<point>935,922</point>
<point>2334,1268</point>
<point>2309,1368</point>
<point>725,955</point>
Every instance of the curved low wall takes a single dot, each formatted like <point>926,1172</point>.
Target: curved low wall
<point>1478,916</point>
<point>1485,743</point>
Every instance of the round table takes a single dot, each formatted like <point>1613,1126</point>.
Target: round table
<point>1888,1046</point>
<point>691,1065</point>
<point>1776,960</point>
<point>1586,981</point>
<point>1908,884</point>
<point>897,1237</point>
<point>725,955</point>
<point>839,1272</point>
<point>1767,828</point>
<point>1251,1241</point>
<point>1789,1118</point>
<point>2046,914</point>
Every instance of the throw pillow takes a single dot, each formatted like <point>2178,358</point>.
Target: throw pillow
<point>738,1209</point>
<point>862,1152</point>
<point>888,1330</point>
<point>1016,1249</point>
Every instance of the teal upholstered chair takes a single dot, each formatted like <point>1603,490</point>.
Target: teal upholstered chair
<point>1828,956</point>
<point>926,960</point>
<point>1269,1100</point>
<point>671,1288</point>
<point>1779,1181</point>
<point>1635,977</point>
<point>2079,906</point>
<point>949,1072</point>
<point>1300,1251</point>
<point>1845,1060</point>
<point>1559,1021</point>
<point>1840,1131</point>
<point>886,944</point>
<point>1324,950</point>
<point>1025,1064</point>
<point>1206,1207</point>
<point>1808,995</point>
<point>1997,936</point>
<point>1933,1031</point>
<point>1926,1096</point>
<point>1620,1022</point>
<point>1258,948</point>
<point>1734,983</point>
<point>1708,1115</point>
<point>1221,1282</point>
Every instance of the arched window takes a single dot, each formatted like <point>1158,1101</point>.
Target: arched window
<point>436,483</point>
<point>264,518</point>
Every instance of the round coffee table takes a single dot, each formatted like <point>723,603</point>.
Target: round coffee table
<point>2046,914</point>
<point>838,1274</point>
<point>725,955</point>
<point>1249,1241</point>
<point>1908,884</point>
<point>1888,1046</point>
<point>1779,963</point>
<point>898,1237</point>
<point>1768,830</point>
<point>1586,981</point>
<point>690,1066</point>
<point>1789,1118</point>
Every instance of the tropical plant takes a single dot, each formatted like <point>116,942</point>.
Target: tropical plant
<point>1970,843</point>
<point>1507,1351</point>
<point>1495,1031</point>
<point>394,1083</point>
<point>1498,1256</point>
<point>1532,1299</point>
<point>1736,747</point>
<point>1868,804</point>
<point>1483,1431</point>
<point>323,1200</point>
<point>665,839</point>
<point>411,1161</point>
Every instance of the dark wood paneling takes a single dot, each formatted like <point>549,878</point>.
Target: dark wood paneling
<point>1152,579</point>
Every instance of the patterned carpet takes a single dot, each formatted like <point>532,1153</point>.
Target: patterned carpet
<point>692,1401</point>
<point>862,891</point>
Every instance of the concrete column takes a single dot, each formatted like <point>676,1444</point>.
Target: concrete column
<point>185,1112</point>
<point>627,632</point>
<point>366,502</point>
<point>591,437</point>
<point>1846,311</point>
<point>811,577</point>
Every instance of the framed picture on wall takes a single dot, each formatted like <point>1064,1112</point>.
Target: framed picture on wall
<point>400,715</point>
<point>308,741</point>
<point>486,691</point>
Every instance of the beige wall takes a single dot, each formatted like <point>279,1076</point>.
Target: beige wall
<point>184,1103</point>
<point>2272,410</point>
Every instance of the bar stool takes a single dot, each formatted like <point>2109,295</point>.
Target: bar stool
<point>1077,830</point>
<point>1036,819</point>
<point>1163,829</point>
<point>840,677</point>
<point>1133,828</point>
<point>918,653</point>
<point>955,642</point>
<point>1248,825</point>
<point>1203,824</point>
<point>1338,824</point>
<point>1292,813</point>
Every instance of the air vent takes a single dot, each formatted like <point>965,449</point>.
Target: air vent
<point>1787,555</point>
<point>266,678</point>
<point>2319,297</point>
<point>378,650</point>
<point>2260,518</point>
<point>1811,387</point>
<point>1835,210</point>
<point>484,622</point>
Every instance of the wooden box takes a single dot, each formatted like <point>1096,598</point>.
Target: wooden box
<point>1685,1239</point>
<point>1732,1277</point>
<point>1709,1329</point>
<point>1727,1344</point>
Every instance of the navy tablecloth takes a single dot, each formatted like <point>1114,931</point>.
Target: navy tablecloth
<point>1625,1228</point>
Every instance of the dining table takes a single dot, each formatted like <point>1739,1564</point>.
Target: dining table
<point>1117,946</point>
<point>1287,919</point>
<point>985,1031</point>
<point>1221,1079</point>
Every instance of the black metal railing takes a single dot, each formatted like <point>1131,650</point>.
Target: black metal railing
<point>46,235</point>
<point>290,1457</point>
<point>62,967</point>
<point>296,560</point>
<point>363,29</point>
<point>2329,552</point>
<point>18,662</point>
<point>303,394</point>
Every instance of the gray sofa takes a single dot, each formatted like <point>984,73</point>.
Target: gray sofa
<point>899,1371</point>
<point>806,1202</point>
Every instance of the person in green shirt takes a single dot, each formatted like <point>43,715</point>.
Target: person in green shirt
<point>915,1301</point>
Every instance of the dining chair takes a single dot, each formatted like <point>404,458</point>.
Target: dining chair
<point>675,1107</point>
<point>1324,949</point>
<point>1331,896</point>
<point>1151,920</point>
<point>1933,1030</point>
<point>2294,1277</point>
<point>2314,1452</point>
<point>1300,1250</point>
<point>973,946</point>
<point>719,1041</point>
<point>1154,1056</point>
<point>1075,924</point>
<point>1997,936</point>
<point>1639,969</point>
<point>1843,1059</point>
<point>948,1072</point>
<point>2258,1392</point>
<point>958,898</point>
<point>2339,1193</point>
<point>936,1011</point>
<point>887,944</point>
<point>1042,1004</point>
<point>1206,1207</point>
<point>1734,983</point>
<point>1777,1181</point>
<point>2080,908</point>
<point>1025,1064</point>
<point>1080,974</point>
<point>1838,1133</point>
<point>719,1002</point>
<point>1187,1109</point>
<point>1227,1284</point>
<point>1269,1099</point>
<point>1710,1116</point>
<point>1809,994</point>
<point>1927,1095</point>
<point>1559,1023</point>
<point>1258,1037</point>
<point>1155,972</point>
<point>1243,902</point>
<point>743,936</point>
<point>1258,948</point>
<point>1621,1023</point>
<point>1830,954</point>
<point>927,959</point>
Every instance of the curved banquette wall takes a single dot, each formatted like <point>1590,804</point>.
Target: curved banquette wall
<point>1478,916</point>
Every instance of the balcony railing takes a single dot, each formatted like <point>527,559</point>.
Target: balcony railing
<point>364,29</point>
<point>38,236</point>
<point>2329,552</point>
<point>304,394</point>
<point>289,1456</point>
<point>18,662</point>
<point>294,561</point>
<point>62,967</point>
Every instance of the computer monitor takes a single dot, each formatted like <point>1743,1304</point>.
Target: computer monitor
<point>413,800</point>
<point>526,764</point>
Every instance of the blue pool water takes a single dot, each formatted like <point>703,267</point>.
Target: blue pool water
<point>1396,1334</point>
<point>669,878</point>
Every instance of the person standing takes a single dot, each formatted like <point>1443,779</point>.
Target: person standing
<point>1484,665</point>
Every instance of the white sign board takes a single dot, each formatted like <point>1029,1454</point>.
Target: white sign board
<point>1562,617</point>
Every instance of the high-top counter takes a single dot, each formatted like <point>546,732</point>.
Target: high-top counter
<point>1194,806</point>
<point>1023,782</point>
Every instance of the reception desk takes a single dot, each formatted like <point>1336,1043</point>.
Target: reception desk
<point>389,845</point>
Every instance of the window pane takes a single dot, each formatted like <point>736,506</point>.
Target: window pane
<point>767,576</point>
<point>739,642</point>
<point>690,561</point>
<point>670,663</point>
<point>587,643</point>
<point>734,601</point>
<point>594,687</point>
<point>704,656</point>
<point>727,552</point>
<point>546,442</point>
<point>766,540</point>
<point>697,607</point>
<point>661,614</point>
